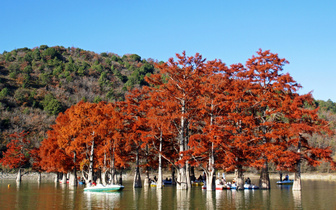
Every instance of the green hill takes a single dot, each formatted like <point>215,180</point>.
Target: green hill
<point>37,84</point>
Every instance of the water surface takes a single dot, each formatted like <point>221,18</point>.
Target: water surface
<point>48,195</point>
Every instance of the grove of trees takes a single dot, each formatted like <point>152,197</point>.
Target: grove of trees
<point>191,113</point>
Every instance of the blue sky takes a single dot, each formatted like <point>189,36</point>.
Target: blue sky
<point>303,32</point>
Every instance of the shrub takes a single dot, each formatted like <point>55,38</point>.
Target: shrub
<point>4,92</point>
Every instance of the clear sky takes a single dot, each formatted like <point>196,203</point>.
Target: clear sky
<point>303,32</point>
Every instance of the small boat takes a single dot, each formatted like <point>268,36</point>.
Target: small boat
<point>285,182</point>
<point>102,188</point>
<point>153,184</point>
<point>220,187</point>
<point>167,182</point>
<point>250,187</point>
<point>234,186</point>
<point>197,183</point>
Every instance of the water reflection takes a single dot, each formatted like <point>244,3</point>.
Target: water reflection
<point>297,199</point>
<point>183,199</point>
<point>31,195</point>
<point>159,198</point>
<point>100,200</point>
<point>209,200</point>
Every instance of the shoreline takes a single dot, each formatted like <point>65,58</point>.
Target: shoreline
<point>130,176</point>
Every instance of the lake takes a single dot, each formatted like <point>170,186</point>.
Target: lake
<point>48,195</point>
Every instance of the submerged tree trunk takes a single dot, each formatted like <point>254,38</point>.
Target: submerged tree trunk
<point>181,183</point>
<point>239,176</point>
<point>210,180</point>
<point>72,178</point>
<point>147,179</point>
<point>188,175</point>
<point>137,178</point>
<point>18,177</point>
<point>56,180</point>
<point>39,177</point>
<point>297,177</point>
<point>104,172</point>
<point>264,181</point>
<point>159,183</point>
<point>64,178</point>
<point>113,179</point>
<point>173,175</point>
<point>73,174</point>
<point>210,174</point>
<point>90,174</point>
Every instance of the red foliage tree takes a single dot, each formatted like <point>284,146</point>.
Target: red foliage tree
<point>17,154</point>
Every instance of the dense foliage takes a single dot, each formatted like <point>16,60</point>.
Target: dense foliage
<point>37,84</point>
<point>187,112</point>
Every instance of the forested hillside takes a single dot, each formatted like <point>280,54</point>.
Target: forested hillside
<point>37,84</point>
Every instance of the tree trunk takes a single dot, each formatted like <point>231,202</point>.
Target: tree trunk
<point>159,183</point>
<point>64,178</point>
<point>73,174</point>
<point>210,180</point>
<point>56,180</point>
<point>181,183</point>
<point>120,177</point>
<point>188,175</point>
<point>73,179</point>
<point>297,177</point>
<point>182,175</point>
<point>264,181</point>
<point>103,174</point>
<point>103,177</point>
<point>137,178</point>
<point>90,175</point>
<point>18,177</point>
<point>113,171</point>
<point>39,177</point>
<point>147,181</point>
<point>239,176</point>
<point>173,175</point>
<point>113,176</point>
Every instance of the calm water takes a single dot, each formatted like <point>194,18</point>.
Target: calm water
<point>47,195</point>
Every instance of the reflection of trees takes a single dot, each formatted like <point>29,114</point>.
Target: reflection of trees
<point>266,201</point>
<point>183,199</point>
<point>297,198</point>
<point>100,201</point>
<point>209,200</point>
<point>159,198</point>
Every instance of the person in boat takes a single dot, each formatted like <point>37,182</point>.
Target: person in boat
<point>90,183</point>
<point>94,183</point>
<point>199,178</point>
<point>286,178</point>
<point>155,179</point>
<point>248,180</point>
<point>223,181</point>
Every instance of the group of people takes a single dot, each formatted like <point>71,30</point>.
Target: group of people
<point>92,184</point>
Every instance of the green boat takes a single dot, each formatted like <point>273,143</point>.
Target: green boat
<point>102,188</point>
<point>285,182</point>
